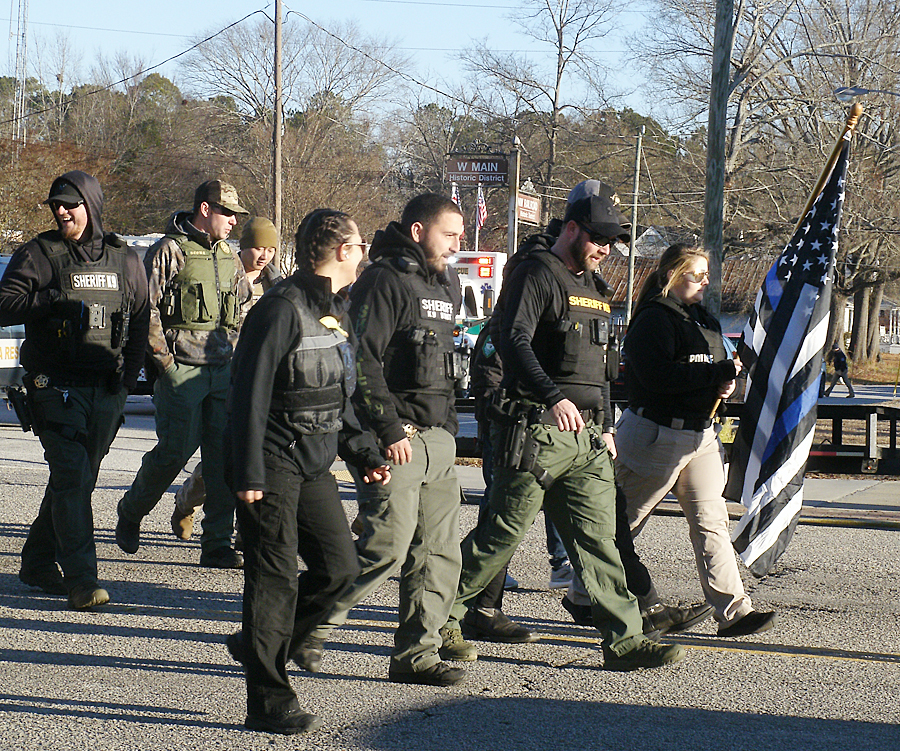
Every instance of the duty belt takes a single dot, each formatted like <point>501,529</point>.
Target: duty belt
<point>676,423</point>
<point>588,415</point>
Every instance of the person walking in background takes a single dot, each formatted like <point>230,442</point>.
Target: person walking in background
<point>676,368</point>
<point>259,245</point>
<point>289,415</point>
<point>83,299</point>
<point>838,360</point>
<point>197,287</point>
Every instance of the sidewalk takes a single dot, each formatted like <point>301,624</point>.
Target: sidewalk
<point>865,503</point>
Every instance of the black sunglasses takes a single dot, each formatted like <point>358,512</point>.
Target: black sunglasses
<point>595,238</point>
<point>67,205</point>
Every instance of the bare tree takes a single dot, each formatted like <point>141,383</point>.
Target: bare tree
<point>530,94</point>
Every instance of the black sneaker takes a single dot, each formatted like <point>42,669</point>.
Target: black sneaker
<point>670,619</point>
<point>235,644</point>
<point>224,557</point>
<point>285,723</point>
<point>309,654</point>
<point>581,614</point>
<point>49,580</point>
<point>128,535</point>
<point>647,654</point>
<point>440,674</point>
<point>754,622</point>
<point>496,627</point>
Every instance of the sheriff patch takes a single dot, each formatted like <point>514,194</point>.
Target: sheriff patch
<point>576,301</point>
<point>440,310</point>
<point>95,281</point>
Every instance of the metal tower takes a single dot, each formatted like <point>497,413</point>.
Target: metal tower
<point>18,126</point>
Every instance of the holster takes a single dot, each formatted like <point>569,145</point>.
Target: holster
<point>518,448</point>
<point>18,397</point>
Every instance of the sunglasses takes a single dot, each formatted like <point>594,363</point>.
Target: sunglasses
<point>696,276</point>
<point>597,239</point>
<point>221,210</point>
<point>67,205</point>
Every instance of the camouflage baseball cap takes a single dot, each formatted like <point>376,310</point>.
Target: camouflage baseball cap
<point>219,193</point>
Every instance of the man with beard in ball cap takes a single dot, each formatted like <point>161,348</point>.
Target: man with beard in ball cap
<point>552,433</point>
<point>82,296</point>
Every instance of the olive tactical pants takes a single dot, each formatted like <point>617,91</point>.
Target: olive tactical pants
<point>581,503</point>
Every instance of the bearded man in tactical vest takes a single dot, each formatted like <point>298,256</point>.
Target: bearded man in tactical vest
<point>551,437</point>
<point>197,287</point>
<point>403,307</point>
<point>82,296</point>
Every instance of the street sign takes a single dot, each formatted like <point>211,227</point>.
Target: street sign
<point>471,170</point>
<point>528,208</point>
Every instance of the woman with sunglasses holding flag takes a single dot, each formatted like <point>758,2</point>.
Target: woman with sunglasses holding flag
<point>676,370</point>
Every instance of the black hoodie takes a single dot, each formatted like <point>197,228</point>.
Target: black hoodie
<point>383,309</point>
<point>29,290</point>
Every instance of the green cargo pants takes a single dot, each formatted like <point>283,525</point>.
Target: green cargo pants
<point>581,503</point>
<point>190,412</point>
<point>412,523</point>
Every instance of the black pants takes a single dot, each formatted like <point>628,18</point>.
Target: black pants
<point>76,426</point>
<point>295,516</point>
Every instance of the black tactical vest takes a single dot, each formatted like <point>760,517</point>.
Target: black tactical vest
<point>420,355</point>
<point>92,322</point>
<point>317,375</point>
<point>573,349</point>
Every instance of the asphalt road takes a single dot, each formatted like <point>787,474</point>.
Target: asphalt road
<point>150,671</point>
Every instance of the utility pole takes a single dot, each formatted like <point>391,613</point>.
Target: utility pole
<point>714,204</point>
<point>512,231</point>
<point>629,297</point>
<point>277,127</point>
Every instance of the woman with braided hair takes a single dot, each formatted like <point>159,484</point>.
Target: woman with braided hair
<point>289,414</point>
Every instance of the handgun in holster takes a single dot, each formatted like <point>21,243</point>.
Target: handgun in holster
<point>18,397</point>
<point>519,449</point>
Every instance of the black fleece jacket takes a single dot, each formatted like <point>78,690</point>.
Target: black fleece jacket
<point>669,364</point>
<point>29,290</point>
<point>270,332</point>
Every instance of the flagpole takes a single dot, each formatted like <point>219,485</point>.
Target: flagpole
<point>852,120</point>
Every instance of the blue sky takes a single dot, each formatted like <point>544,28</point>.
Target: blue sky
<point>428,31</point>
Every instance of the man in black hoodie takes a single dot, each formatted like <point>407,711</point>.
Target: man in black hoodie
<point>403,308</point>
<point>83,299</point>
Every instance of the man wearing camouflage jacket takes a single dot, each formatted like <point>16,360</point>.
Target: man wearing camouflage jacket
<point>197,287</point>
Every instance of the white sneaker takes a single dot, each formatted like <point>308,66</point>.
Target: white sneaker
<point>561,576</point>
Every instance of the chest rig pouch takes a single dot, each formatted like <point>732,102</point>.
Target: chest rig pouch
<point>201,297</point>
<point>577,343</point>
<point>421,356</point>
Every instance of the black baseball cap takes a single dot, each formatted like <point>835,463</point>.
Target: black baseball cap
<point>62,191</point>
<point>599,215</point>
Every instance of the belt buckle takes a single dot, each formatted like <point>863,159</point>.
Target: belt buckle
<point>409,429</point>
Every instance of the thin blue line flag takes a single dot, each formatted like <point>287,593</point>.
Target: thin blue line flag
<point>781,349</point>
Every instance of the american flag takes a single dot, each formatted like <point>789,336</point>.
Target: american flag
<point>781,349</point>
<point>481,213</point>
<point>454,193</point>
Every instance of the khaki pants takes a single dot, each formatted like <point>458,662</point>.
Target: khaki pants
<point>652,460</point>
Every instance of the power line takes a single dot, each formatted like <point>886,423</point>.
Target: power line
<point>142,72</point>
